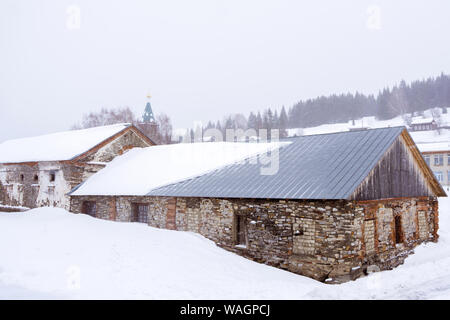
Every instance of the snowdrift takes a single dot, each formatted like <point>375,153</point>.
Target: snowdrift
<point>50,253</point>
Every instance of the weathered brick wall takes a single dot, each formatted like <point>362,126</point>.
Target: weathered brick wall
<point>157,209</point>
<point>29,184</point>
<point>117,147</point>
<point>315,238</point>
<point>105,206</point>
<point>325,240</point>
<point>419,223</point>
<point>31,193</point>
<point>120,208</point>
<point>2,193</point>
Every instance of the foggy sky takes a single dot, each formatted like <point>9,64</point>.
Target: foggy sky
<point>204,59</point>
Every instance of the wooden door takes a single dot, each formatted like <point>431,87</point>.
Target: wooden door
<point>90,208</point>
<point>140,213</point>
<point>171,215</point>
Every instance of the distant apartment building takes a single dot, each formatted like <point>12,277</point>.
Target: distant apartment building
<point>437,156</point>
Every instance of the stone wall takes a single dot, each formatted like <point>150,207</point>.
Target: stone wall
<point>42,183</point>
<point>277,231</point>
<point>419,223</point>
<point>120,145</point>
<point>30,184</point>
<point>105,206</point>
<point>332,241</point>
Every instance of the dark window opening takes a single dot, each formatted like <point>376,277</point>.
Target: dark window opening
<point>90,208</point>
<point>140,213</point>
<point>22,177</point>
<point>398,229</point>
<point>299,232</point>
<point>52,176</point>
<point>36,178</point>
<point>241,231</point>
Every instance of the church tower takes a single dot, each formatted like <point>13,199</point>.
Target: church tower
<point>148,117</point>
<point>149,125</point>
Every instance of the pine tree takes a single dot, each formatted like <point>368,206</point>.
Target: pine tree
<point>283,123</point>
<point>275,120</point>
<point>219,127</point>
<point>251,123</point>
<point>259,121</point>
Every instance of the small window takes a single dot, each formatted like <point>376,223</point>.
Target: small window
<point>439,176</point>
<point>52,176</point>
<point>240,230</point>
<point>90,208</point>
<point>438,159</point>
<point>36,178</point>
<point>398,229</point>
<point>448,159</point>
<point>22,177</point>
<point>140,213</point>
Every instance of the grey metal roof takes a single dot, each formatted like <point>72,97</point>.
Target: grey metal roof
<point>325,166</point>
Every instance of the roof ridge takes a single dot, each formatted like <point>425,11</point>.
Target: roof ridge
<point>348,131</point>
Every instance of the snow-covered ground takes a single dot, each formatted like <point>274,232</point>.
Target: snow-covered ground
<point>49,253</point>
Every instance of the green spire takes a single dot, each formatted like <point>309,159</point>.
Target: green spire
<point>148,114</point>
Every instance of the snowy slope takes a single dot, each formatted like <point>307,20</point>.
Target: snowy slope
<point>56,146</point>
<point>370,122</point>
<point>50,253</point>
<point>139,171</point>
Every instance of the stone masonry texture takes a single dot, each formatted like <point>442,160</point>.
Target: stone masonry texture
<point>37,184</point>
<point>332,240</point>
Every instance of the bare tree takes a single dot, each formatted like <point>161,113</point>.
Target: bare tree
<point>164,128</point>
<point>106,117</point>
<point>436,114</point>
<point>407,119</point>
<point>162,133</point>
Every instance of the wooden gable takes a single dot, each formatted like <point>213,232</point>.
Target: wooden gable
<point>401,172</point>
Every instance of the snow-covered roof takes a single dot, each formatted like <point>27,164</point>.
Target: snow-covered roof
<point>434,147</point>
<point>56,146</point>
<point>421,121</point>
<point>141,170</point>
<point>324,166</point>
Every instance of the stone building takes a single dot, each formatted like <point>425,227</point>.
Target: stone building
<point>40,171</point>
<point>337,206</point>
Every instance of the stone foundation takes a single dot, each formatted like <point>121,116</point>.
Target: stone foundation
<point>333,241</point>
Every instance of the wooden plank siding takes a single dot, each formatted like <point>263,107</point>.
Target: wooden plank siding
<point>401,172</point>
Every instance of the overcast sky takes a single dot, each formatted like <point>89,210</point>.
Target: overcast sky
<point>204,59</point>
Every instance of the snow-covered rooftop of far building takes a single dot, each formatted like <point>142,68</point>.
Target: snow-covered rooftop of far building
<point>434,147</point>
<point>142,169</point>
<point>56,146</point>
<point>421,120</point>
<point>419,137</point>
